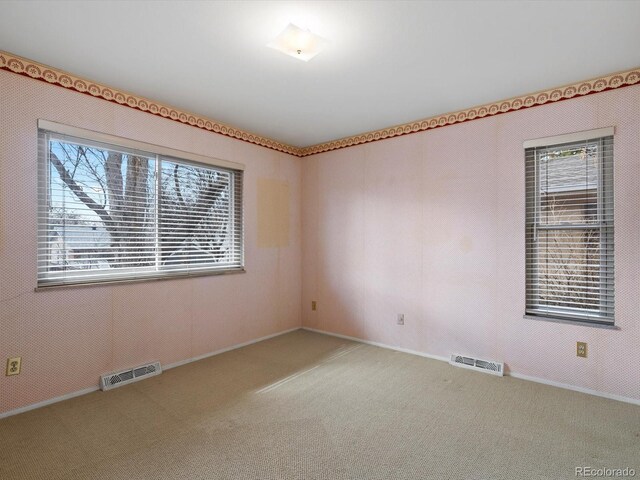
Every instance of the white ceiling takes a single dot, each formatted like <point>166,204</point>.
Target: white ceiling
<point>388,62</point>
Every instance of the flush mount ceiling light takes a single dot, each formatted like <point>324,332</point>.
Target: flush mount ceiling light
<point>298,43</point>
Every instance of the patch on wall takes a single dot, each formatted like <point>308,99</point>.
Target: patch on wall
<point>273,213</point>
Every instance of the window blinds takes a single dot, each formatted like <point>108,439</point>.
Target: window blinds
<point>111,213</point>
<point>569,230</point>
<point>197,227</point>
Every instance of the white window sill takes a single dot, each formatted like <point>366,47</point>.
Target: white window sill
<point>121,281</point>
<point>579,323</point>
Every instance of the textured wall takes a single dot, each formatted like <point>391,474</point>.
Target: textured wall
<point>432,225</point>
<point>68,337</point>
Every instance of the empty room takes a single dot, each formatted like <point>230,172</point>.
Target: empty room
<point>330,240</point>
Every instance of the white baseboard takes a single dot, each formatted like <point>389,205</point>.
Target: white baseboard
<point>566,386</point>
<point>520,376</point>
<point>50,401</point>
<point>78,393</point>
<point>381,345</point>
<point>227,349</point>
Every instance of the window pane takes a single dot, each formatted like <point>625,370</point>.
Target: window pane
<point>108,212</point>
<point>100,210</point>
<point>569,207</point>
<point>569,169</point>
<point>569,268</point>
<point>196,216</point>
<point>569,230</point>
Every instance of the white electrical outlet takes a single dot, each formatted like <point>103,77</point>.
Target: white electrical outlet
<point>400,319</point>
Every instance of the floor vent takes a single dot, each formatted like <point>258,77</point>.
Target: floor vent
<point>494,368</point>
<point>113,380</point>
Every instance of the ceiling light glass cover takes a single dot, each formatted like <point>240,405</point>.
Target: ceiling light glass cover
<point>298,43</point>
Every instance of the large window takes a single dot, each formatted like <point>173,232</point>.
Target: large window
<point>569,228</point>
<point>111,212</point>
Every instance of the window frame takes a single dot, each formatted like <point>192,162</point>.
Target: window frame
<point>47,129</point>
<point>604,316</point>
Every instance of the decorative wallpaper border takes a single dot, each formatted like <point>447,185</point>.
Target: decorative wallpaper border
<point>22,66</point>
<point>601,84</point>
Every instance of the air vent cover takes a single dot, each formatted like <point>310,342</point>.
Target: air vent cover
<point>113,380</point>
<point>487,366</point>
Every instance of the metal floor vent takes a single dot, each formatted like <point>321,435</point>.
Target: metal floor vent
<point>494,368</point>
<point>113,380</point>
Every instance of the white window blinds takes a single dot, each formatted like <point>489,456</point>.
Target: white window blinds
<point>112,213</point>
<point>569,231</point>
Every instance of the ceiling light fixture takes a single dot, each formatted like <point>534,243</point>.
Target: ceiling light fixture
<point>298,43</point>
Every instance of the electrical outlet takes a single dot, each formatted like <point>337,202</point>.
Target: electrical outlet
<point>581,349</point>
<point>13,366</point>
<point>400,319</point>
<point>314,305</point>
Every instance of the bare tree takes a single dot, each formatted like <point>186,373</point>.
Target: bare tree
<point>120,190</point>
<point>123,205</point>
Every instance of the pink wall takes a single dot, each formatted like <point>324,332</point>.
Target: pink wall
<point>68,337</point>
<point>432,225</point>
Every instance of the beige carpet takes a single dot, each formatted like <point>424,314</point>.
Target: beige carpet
<point>309,406</point>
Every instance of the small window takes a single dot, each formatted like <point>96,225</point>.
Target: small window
<point>109,212</point>
<point>569,230</point>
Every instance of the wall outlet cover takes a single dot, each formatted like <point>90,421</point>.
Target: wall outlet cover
<point>581,349</point>
<point>14,365</point>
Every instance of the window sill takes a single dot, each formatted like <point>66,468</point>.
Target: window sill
<point>123,281</point>
<point>578,323</point>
